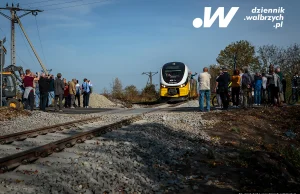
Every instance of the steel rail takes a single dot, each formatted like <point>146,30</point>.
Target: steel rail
<point>20,136</point>
<point>13,161</point>
<point>28,156</point>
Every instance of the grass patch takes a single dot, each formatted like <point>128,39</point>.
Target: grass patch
<point>236,130</point>
<point>291,154</point>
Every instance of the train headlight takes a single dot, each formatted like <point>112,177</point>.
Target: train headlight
<point>163,86</point>
<point>182,85</point>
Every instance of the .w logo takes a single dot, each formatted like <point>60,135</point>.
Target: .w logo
<point>209,20</point>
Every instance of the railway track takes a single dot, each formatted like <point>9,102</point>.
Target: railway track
<point>68,140</point>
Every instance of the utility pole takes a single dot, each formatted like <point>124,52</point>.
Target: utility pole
<point>15,19</point>
<point>2,57</point>
<point>150,74</point>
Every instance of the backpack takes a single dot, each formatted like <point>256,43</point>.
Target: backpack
<point>246,80</point>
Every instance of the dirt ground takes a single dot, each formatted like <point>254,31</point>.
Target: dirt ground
<point>9,113</point>
<point>255,150</point>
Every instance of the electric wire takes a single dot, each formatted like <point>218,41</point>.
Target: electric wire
<point>40,39</point>
<point>79,5</point>
<point>61,3</point>
<point>35,2</point>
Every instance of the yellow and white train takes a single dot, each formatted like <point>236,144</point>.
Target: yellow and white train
<point>176,82</point>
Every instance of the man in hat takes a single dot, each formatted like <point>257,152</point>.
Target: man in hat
<point>59,91</point>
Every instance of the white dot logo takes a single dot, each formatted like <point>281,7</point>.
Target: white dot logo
<point>197,23</point>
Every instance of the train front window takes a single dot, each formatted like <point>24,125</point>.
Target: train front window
<point>173,73</point>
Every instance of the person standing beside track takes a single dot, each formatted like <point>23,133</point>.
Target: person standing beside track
<point>264,88</point>
<point>78,93</point>
<point>51,90</point>
<point>72,92</point>
<point>223,81</point>
<point>218,91</point>
<point>204,89</point>
<point>58,91</point>
<point>86,93</point>
<point>257,89</point>
<point>236,86</point>
<point>295,85</point>
<point>28,95</point>
<point>44,84</point>
<point>246,87</point>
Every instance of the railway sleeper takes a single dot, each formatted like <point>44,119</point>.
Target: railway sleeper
<point>15,163</point>
<point>70,144</point>
<point>29,160</point>
<point>80,140</point>
<point>43,133</point>
<point>58,148</point>
<point>67,126</point>
<point>46,153</point>
<point>33,135</point>
<point>7,141</point>
<point>21,138</point>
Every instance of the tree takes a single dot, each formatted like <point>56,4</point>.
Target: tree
<point>131,92</point>
<point>270,54</point>
<point>149,92</point>
<point>291,63</point>
<point>244,52</point>
<point>214,71</point>
<point>117,89</point>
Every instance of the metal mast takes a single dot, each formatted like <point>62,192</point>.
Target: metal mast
<point>14,18</point>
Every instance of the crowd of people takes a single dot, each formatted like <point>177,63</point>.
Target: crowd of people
<point>41,91</point>
<point>268,88</point>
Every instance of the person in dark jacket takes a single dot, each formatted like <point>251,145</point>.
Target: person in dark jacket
<point>223,81</point>
<point>246,87</point>
<point>58,92</point>
<point>51,91</point>
<point>44,84</point>
<point>284,88</point>
<point>257,88</point>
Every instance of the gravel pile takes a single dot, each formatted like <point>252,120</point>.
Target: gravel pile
<point>138,158</point>
<point>99,101</point>
<point>190,124</point>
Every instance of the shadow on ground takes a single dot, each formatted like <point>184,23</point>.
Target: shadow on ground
<point>158,159</point>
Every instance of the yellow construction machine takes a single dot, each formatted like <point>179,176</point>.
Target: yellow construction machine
<point>10,86</point>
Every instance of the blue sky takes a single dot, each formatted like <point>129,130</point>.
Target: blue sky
<point>123,38</point>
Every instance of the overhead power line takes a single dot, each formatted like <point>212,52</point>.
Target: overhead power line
<point>79,5</point>
<point>35,2</point>
<point>37,27</point>
<point>61,3</point>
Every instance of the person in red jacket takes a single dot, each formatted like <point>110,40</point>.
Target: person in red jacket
<point>66,94</point>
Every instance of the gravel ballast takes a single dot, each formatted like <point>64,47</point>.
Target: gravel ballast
<point>98,101</point>
<point>137,158</point>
